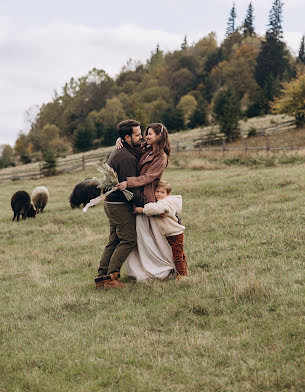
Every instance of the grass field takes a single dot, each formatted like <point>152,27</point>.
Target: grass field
<point>235,324</point>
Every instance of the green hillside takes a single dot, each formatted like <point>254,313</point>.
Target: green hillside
<point>235,324</point>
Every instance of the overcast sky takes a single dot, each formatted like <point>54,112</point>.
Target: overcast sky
<point>43,43</point>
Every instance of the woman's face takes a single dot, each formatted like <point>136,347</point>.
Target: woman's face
<point>151,137</point>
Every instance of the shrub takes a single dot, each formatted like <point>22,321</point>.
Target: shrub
<point>49,164</point>
<point>252,132</point>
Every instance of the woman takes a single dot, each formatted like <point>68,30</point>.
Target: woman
<point>153,256</point>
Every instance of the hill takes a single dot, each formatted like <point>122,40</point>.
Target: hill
<point>272,128</point>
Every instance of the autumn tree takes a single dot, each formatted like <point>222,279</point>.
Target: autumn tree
<point>70,108</point>
<point>21,148</point>
<point>156,110</point>
<point>110,116</point>
<point>239,72</point>
<point>181,82</point>
<point>49,139</point>
<point>187,105</point>
<point>6,155</point>
<point>292,99</point>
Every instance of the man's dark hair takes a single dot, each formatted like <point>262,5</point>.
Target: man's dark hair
<point>126,127</point>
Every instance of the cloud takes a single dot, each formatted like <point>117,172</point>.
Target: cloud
<point>37,60</point>
<point>42,59</point>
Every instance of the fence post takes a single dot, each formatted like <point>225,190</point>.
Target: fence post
<point>246,145</point>
<point>223,145</point>
<point>177,147</point>
<point>40,171</point>
<point>291,147</point>
<point>83,161</point>
<point>267,145</point>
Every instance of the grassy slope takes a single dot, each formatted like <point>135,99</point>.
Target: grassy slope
<point>234,325</point>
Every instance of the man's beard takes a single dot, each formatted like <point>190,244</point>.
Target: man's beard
<point>133,144</point>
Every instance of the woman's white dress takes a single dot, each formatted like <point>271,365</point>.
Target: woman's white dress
<point>152,258</point>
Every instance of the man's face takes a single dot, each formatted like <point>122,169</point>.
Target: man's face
<point>136,136</point>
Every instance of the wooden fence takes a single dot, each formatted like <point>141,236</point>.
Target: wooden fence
<point>62,166</point>
<point>205,142</point>
<point>245,148</point>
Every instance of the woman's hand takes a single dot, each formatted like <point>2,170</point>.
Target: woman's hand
<point>118,143</point>
<point>138,210</point>
<point>122,185</point>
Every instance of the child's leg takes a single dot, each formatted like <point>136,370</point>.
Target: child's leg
<point>186,265</point>
<point>176,243</point>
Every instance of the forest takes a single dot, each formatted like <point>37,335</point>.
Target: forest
<point>246,75</point>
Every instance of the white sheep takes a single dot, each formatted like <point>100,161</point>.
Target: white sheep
<point>40,197</point>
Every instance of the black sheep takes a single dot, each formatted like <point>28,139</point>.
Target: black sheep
<point>84,191</point>
<point>21,205</point>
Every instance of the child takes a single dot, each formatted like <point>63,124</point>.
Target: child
<point>168,206</point>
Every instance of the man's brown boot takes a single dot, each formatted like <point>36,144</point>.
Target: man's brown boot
<point>100,281</point>
<point>113,282</point>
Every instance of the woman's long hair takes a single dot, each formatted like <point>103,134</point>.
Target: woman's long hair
<point>163,143</point>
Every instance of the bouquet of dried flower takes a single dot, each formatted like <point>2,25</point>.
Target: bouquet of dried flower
<point>109,180</point>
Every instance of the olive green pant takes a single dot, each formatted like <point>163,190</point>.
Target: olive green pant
<point>122,238</point>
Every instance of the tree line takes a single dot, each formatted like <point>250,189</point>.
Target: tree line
<point>200,83</point>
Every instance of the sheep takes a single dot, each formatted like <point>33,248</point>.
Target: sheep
<point>21,205</point>
<point>40,197</point>
<point>84,191</point>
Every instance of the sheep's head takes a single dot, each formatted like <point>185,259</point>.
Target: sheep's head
<point>31,212</point>
<point>74,203</point>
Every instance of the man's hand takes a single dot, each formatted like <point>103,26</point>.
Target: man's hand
<point>138,210</point>
<point>122,185</point>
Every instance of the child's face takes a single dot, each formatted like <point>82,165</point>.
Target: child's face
<point>160,193</point>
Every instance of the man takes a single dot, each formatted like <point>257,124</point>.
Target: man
<point>123,236</point>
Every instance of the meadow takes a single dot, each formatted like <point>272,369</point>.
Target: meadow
<point>235,324</point>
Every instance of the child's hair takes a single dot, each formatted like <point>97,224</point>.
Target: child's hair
<point>164,184</point>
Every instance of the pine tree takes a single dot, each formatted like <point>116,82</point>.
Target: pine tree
<point>275,29</point>
<point>155,58</point>
<point>184,43</point>
<point>231,22</point>
<point>173,118</point>
<point>199,117</point>
<point>227,110</point>
<point>248,28</point>
<point>272,59</point>
<point>49,163</point>
<point>82,139</point>
<point>301,57</point>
